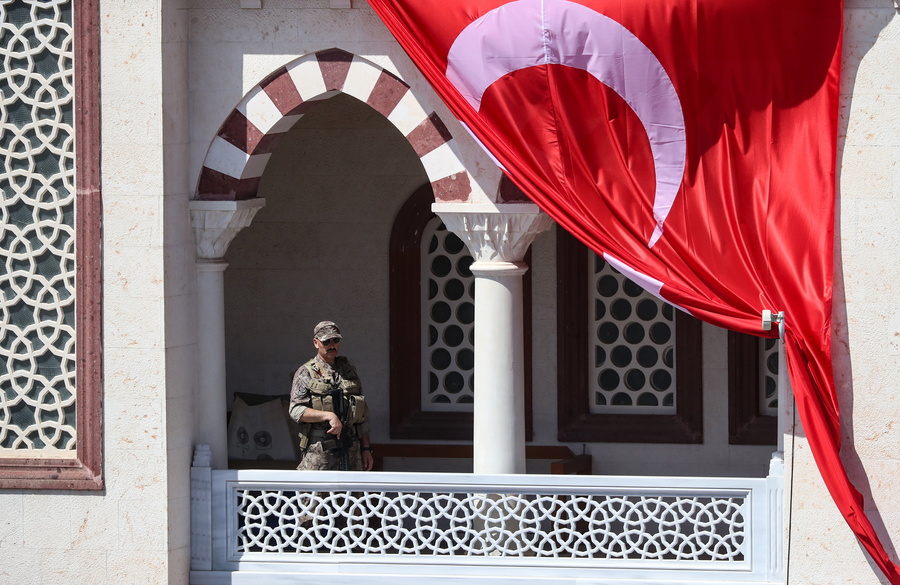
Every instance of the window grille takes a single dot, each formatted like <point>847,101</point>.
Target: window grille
<point>579,418</point>
<point>768,378</point>
<point>632,344</point>
<point>448,321</point>
<point>37,229</point>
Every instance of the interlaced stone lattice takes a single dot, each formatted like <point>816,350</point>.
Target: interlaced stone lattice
<point>658,527</point>
<point>37,241</point>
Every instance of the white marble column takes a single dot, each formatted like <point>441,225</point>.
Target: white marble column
<point>497,236</point>
<point>215,224</point>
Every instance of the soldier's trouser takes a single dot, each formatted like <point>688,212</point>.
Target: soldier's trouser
<point>315,458</point>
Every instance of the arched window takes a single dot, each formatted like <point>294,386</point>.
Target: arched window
<point>448,321</point>
<point>630,367</point>
<point>432,328</point>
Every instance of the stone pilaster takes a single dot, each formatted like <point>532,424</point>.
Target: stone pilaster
<point>215,224</point>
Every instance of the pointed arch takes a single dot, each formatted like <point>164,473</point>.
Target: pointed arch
<point>241,149</point>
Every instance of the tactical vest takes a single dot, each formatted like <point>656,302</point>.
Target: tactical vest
<point>320,387</point>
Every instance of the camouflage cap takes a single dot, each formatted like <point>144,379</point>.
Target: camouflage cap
<point>326,330</point>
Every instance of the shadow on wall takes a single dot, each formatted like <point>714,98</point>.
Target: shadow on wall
<point>862,27</point>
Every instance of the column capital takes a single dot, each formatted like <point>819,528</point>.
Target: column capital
<point>494,232</point>
<point>216,223</point>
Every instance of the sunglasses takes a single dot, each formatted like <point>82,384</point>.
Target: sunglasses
<point>333,340</point>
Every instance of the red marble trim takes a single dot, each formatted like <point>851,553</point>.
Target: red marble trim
<point>334,64</point>
<point>510,193</point>
<point>216,186</point>
<point>452,188</point>
<point>247,188</point>
<point>240,132</point>
<point>85,470</point>
<point>281,90</point>
<point>429,135</point>
<point>387,93</point>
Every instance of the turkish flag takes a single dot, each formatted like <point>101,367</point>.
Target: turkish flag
<point>690,142</point>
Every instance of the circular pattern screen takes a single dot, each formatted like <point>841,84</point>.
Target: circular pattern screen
<point>633,343</point>
<point>448,321</point>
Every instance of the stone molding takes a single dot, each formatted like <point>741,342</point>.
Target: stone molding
<point>494,233</point>
<point>216,223</point>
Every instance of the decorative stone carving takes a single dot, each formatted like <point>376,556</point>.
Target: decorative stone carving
<point>216,223</point>
<point>494,232</point>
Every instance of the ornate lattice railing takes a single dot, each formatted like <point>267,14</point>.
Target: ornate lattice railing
<point>463,524</point>
<point>332,523</point>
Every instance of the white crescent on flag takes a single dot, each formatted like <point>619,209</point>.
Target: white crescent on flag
<point>530,33</point>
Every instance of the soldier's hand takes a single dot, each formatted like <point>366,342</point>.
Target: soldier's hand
<point>334,424</point>
<point>368,461</point>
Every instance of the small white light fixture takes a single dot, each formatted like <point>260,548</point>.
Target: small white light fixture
<point>768,318</point>
<point>346,4</point>
<point>251,3</point>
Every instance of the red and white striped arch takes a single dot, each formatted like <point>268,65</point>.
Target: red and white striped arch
<point>241,149</point>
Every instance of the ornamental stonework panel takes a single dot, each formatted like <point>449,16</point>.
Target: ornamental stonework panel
<point>37,229</point>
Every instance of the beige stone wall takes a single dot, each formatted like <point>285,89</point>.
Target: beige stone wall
<point>134,531</point>
<point>866,316</point>
<point>158,123</point>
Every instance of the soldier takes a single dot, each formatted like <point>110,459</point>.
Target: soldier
<point>327,401</point>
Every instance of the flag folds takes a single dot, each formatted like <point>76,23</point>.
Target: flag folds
<point>690,142</point>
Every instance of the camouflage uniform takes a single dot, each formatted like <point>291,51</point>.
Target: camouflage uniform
<point>317,370</point>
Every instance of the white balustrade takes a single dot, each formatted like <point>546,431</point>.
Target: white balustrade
<point>352,527</point>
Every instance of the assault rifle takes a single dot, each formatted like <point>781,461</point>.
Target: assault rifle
<point>340,446</point>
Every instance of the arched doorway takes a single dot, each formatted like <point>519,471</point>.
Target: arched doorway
<point>319,250</point>
<point>233,175</point>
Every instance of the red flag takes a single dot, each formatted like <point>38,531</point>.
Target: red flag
<point>690,142</point>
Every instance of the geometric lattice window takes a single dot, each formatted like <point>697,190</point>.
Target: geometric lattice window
<point>448,321</point>
<point>618,352</point>
<point>37,230</point>
<point>49,394</point>
<point>432,319</point>
<point>768,364</point>
<point>633,344</point>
